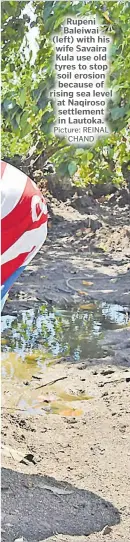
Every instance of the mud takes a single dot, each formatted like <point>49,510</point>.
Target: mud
<point>81,447</point>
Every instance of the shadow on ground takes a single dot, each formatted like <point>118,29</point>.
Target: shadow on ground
<point>36,507</point>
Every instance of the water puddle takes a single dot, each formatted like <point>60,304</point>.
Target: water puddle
<point>40,338</point>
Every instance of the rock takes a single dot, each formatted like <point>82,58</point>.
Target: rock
<point>82,202</point>
<point>107,530</point>
<point>106,372</point>
<point>94,223</point>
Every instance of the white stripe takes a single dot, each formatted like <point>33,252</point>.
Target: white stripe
<point>25,243</point>
<point>37,199</point>
<point>31,256</point>
<point>12,187</point>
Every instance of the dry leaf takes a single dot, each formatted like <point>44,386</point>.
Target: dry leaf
<point>31,358</point>
<point>83,307</point>
<point>78,233</point>
<point>3,341</point>
<point>71,413</point>
<point>90,306</point>
<point>86,283</point>
<point>106,15</point>
<point>63,410</point>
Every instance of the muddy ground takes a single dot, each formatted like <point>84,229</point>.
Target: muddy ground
<point>66,477</point>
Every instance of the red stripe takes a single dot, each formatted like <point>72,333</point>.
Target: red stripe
<point>10,237</point>
<point>10,267</point>
<point>23,207</point>
<point>19,220</point>
<point>3,166</point>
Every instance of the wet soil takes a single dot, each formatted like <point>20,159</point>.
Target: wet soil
<point>66,469</point>
<point>93,247</point>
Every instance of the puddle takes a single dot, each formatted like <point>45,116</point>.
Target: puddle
<point>49,332</point>
<point>36,339</point>
<point>33,400</point>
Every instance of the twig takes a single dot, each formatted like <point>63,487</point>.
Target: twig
<point>116,381</point>
<point>37,377</point>
<point>52,382</point>
<point>74,278</point>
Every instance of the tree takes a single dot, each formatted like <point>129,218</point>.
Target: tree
<point>28,112</point>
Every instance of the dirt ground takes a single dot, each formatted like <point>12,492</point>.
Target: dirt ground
<point>66,477</point>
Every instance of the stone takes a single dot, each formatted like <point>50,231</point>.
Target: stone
<point>107,530</point>
<point>94,223</point>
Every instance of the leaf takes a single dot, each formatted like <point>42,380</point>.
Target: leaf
<point>8,104</point>
<point>56,490</point>
<point>47,10</point>
<point>72,167</point>
<point>24,118</point>
<point>89,155</point>
<point>18,117</point>
<point>106,15</point>
<point>33,357</point>
<point>86,283</point>
<point>71,413</point>
<point>63,410</point>
<point>79,233</point>
<point>83,307</point>
<point>14,123</point>
<point>118,112</point>
<point>22,97</point>
<point>59,22</point>
<point>90,306</point>
<point>42,101</point>
<point>3,341</point>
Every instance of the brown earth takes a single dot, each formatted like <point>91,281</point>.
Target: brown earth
<point>72,477</point>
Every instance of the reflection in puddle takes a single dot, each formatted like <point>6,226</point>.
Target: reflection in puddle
<point>37,339</point>
<point>55,403</point>
<point>31,397</point>
<point>72,332</point>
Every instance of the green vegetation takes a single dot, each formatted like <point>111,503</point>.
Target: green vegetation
<point>28,113</point>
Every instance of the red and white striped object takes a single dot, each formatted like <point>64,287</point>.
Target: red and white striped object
<point>23,224</point>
